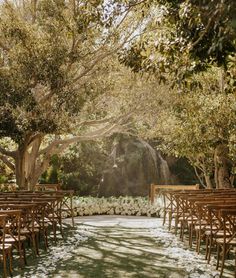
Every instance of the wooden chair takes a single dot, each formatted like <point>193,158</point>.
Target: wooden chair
<point>13,235</point>
<point>28,216</point>
<point>207,224</point>
<point>228,241</point>
<point>5,249</point>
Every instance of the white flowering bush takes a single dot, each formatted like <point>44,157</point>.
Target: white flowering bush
<point>139,206</point>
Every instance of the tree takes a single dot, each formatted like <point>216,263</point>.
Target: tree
<point>196,125</point>
<point>54,64</point>
<point>188,37</point>
<point>185,37</point>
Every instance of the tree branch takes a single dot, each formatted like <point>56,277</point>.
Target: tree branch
<point>204,32</point>
<point>34,137</point>
<point>7,153</point>
<point>6,161</point>
<point>97,134</point>
<point>198,176</point>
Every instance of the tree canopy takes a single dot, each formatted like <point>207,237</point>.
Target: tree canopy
<point>185,37</point>
<point>55,58</point>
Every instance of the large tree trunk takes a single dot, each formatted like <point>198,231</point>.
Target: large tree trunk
<point>25,179</point>
<point>25,164</point>
<point>20,169</point>
<point>223,167</point>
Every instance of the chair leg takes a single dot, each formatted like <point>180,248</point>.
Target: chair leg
<point>21,251</point>
<point>218,256</point>
<point>181,235</point>
<point>72,214</point>
<point>61,229</point>
<point>182,231</point>
<point>235,264</point>
<point>191,235</point>
<point>4,265</point>
<point>21,254</point>
<point>10,262</point>
<point>197,240</point>
<point>209,250</point>
<point>170,220</point>
<point>35,247</point>
<point>176,225</point>
<point>207,247</point>
<point>164,217</point>
<point>37,235</point>
<point>45,238</point>
<point>54,232</point>
<point>223,260</point>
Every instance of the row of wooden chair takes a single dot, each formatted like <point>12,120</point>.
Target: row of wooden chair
<point>204,216</point>
<point>29,216</point>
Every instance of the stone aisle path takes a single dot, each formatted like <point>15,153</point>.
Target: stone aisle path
<point>119,247</point>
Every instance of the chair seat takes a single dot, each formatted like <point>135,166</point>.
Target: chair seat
<point>208,233</point>
<point>6,246</point>
<point>26,231</point>
<point>47,220</point>
<point>46,224</point>
<point>221,233</point>
<point>203,226</point>
<point>231,242</point>
<point>41,225</point>
<point>11,239</point>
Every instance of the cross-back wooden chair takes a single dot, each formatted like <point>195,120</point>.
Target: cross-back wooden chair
<point>67,202</point>
<point>228,241</point>
<point>13,235</point>
<point>5,249</point>
<point>216,225</point>
<point>28,216</point>
<point>52,213</point>
<point>52,209</point>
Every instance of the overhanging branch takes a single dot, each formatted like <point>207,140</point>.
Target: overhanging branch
<point>7,162</point>
<point>7,153</point>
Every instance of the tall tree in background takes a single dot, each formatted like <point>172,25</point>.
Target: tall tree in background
<point>53,66</point>
<point>192,124</point>
<point>188,37</point>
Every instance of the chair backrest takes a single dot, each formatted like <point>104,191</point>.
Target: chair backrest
<point>229,223</point>
<point>13,224</point>
<point>47,187</point>
<point>155,189</point>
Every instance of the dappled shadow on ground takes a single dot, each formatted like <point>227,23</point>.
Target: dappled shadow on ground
<point>120,256</point>
<point>110,248</point>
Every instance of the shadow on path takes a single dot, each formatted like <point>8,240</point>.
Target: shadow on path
<point>110,247</point>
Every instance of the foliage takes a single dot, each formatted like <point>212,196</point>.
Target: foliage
<point>191,49</point>
<point>3,179</point>
<point>190,124</point>
<point>182,170</point>
<point>82,166</point>
<point>55,60</point>
<point>185,37</point>
<point>44,57</point>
